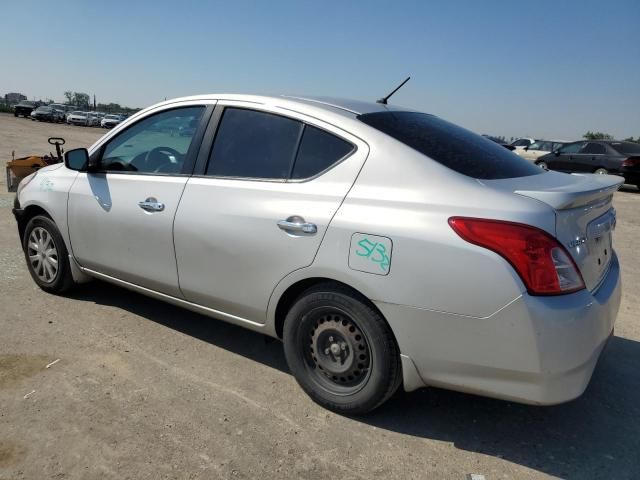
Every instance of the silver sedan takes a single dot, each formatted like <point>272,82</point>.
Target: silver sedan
<point>384,246</point>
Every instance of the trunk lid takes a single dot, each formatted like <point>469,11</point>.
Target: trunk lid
<point>585,217</point>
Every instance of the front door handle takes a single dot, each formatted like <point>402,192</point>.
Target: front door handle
<point>297,224</point>
<point>151,205</point>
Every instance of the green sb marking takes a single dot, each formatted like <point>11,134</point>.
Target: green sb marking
<point>374,251</point>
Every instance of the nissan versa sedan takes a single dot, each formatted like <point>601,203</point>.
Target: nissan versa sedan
<point>384,246</point>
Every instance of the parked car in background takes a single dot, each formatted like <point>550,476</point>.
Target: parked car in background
<point>46,114</point>
<point>499,141</point>
<point>110,121</point>
<point>596,156</point>
<point>93,119</point>
<point>538,149</point>
<point>24,109</point>
<point>460,265</point>
<point>77,118</point>
<point>521,143</point>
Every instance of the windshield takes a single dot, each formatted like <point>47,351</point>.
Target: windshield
<point>450,145</point>
<point>626,148</point>
<point>81,114</point>
<point>112,117</point>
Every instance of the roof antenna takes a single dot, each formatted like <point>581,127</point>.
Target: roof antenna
<point>383,100</point>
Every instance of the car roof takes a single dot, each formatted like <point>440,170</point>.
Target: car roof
<point>346,107</point>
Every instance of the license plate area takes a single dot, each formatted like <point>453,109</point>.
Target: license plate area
<point>599,238</point>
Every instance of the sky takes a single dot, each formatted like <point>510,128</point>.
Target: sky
<point>546,69</point>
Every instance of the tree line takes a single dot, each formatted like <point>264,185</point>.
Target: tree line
<point>605,136</point>
<point>83,100</point>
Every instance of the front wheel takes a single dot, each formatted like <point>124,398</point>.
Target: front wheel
<point>601,171</point>
<point>543,165</point>
<point>46,255</point>
<point>341,350</point>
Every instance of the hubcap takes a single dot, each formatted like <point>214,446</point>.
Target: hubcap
<point>338,351</point>
<point>43,255</point>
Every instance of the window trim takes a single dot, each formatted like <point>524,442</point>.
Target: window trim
<point>204,155</point>
<point>190,157</point>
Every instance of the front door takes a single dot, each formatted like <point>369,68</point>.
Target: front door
<point>121,217</point>
<point>564,160</point>
<point>260,208</point>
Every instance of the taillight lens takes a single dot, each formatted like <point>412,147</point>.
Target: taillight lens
<point>543,264</point>
<point>631,162</point>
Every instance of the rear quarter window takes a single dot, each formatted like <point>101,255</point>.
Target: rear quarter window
<point>450,145</point>
<point>318,151</point>
<point>626,148</point>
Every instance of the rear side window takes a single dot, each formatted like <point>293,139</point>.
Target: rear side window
<point>254,144</point>
<point>594,149</point>
<point>318,151</point>
<point>452,146</point>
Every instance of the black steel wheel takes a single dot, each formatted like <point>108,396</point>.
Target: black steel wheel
<point>338,354</point>
<point>341,350</point>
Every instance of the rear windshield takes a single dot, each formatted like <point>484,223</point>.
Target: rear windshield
<point>452,146</point>
<point>626,148</point>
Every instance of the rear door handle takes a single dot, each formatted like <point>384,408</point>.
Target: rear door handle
<point>151,205</point>
<point>297,224</point>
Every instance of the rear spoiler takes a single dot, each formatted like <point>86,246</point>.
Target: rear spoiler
<point>593,189</point>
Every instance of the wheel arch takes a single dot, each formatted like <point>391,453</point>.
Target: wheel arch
<point>30,211</point>
<point>287,298</point>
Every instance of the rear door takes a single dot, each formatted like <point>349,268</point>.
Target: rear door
<point>121,217</point>
<point>267,191</point>
<point>593,156</point>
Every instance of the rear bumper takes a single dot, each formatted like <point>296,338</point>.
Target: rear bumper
<point>632,178</point>
<point>537,350</point>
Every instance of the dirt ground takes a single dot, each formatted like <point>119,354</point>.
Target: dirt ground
<point>145,390</point>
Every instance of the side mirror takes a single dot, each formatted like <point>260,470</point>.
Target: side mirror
<point>526,148</point>
<point>557,153</point>
<point>77,159</point>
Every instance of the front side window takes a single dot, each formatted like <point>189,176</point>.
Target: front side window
<point>535,146</point>
<point>157,144</point>
<point>571,147</point>
<point>523,142</point>
<point>450,145</point>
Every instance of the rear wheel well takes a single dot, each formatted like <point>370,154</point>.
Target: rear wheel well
<point>291,294</point>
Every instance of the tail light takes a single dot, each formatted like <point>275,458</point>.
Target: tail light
<point>631,162</point>
<point>543,264</point>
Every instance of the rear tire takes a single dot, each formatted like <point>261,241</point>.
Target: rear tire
<point>341,350</point>
<point>46,255</point>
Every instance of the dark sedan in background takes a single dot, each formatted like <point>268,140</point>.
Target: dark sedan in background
<point>596,156</point>
<point>24,109</point>
<point>46,114</point>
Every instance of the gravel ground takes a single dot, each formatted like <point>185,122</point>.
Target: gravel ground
<point>145,390</point>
